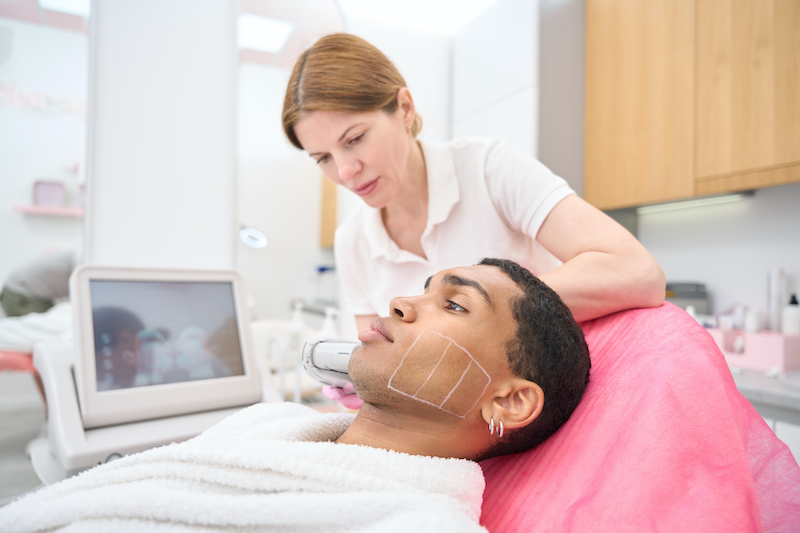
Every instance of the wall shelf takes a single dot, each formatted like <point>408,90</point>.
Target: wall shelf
<point>70,212</point>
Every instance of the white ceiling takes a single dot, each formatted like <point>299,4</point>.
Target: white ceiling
<point>443,17</point>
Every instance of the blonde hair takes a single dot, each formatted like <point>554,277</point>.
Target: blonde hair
<point>342,73</point>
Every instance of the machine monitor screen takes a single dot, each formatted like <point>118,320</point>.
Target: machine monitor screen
<point>153,333</point>
<point>156,343</point>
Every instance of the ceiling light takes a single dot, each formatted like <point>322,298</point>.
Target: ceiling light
<point>700,202</point>
<point>262,33</point>
<point>440,17</point>
<point>82,8</point>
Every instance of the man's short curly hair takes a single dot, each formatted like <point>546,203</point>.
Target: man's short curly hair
<point>548,349</point>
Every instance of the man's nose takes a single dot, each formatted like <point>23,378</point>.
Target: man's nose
<point>403,308</point>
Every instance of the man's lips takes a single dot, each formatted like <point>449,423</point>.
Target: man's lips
<point>377,332</point>
<point>366,188</point>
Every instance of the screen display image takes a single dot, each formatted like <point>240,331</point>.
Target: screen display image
<point>149,333</point>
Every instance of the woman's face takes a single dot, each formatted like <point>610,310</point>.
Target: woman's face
<point>368,153</point>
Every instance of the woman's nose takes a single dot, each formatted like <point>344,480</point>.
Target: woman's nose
<point>349,169</point>
<point>403,308</point>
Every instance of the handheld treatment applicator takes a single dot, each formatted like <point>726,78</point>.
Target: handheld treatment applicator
<point>326,360</point>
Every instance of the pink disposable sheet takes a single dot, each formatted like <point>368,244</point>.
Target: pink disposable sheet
<point>662,441</point>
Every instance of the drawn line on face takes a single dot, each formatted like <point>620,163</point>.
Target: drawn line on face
<point>433,371</point>
<point>453,389</point>
<point>464,373</point>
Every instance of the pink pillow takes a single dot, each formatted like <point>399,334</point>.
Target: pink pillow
<point>662,441</point>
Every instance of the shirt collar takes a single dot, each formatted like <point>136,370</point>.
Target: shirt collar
<point>443,192</point>
<point>443,195</point>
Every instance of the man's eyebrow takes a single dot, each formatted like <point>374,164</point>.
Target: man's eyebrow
<point>453,280</point>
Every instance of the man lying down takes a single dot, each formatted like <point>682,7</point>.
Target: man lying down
<point>488,361</point>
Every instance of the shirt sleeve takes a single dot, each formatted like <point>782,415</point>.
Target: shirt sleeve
<point>522,189</point>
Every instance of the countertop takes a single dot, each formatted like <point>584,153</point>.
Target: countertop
<point>775,397</point>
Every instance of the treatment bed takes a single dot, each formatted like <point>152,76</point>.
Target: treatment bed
<point>662,441</point>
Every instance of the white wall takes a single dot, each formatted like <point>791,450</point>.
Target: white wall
<point>495,75</point>
<point>561,50</point>
<point>280,193</point>
<point>40,144</point>
<point>730,247</point>
<point>161,158</point>
<point>424,61</point>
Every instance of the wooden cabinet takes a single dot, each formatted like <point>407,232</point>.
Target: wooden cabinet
<point>689,98</point>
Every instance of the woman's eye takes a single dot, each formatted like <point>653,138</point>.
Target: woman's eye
<point>454,306</point>
<point>322,159</point>
<point>355,140</point>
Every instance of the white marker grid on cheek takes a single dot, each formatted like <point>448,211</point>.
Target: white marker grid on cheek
<point>407,378</point>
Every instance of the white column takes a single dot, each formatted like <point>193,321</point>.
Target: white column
<point>495,75</point>
<point>161,148</point>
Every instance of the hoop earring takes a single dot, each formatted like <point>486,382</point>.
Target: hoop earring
<point>499,429</point>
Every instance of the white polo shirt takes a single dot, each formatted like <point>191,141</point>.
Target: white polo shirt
<point>486,198</point>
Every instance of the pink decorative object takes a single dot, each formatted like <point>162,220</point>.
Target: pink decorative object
<point>765,350</point>
<point>19,361</point>
<point>48,193</point>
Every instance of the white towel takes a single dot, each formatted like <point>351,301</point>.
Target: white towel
<point>270,467</point>
<point>20,333</point>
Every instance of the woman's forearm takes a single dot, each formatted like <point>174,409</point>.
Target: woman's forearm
<point>605,268</point>
<point>595,284</point>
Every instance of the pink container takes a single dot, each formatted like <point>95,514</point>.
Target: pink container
<point>765,350</point>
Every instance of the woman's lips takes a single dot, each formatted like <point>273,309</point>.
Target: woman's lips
<point>367,188</point>
<point>377,332</point>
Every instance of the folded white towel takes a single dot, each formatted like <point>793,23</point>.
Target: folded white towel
<point>20,333</point>
<point>270,467</point>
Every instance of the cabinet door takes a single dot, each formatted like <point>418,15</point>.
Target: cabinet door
<point>639,102</point>
<point>748,93</point>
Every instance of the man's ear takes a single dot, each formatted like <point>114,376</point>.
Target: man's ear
<point>520,404</point>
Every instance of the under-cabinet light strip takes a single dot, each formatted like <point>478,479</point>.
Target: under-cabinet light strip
<point>700,202</point>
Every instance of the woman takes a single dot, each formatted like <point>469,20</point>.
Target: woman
<point>434,206</point>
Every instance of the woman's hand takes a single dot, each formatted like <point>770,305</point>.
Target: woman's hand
<point>347,396</point>
<point>605,268</point>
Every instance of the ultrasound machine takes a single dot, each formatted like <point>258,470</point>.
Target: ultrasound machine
<point>158,356</point>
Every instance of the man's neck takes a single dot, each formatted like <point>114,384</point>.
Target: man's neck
<point>412,435</point>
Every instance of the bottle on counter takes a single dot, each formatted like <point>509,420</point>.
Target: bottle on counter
<point>790,318</point>
<point>776,296</point>
<point>752,322</point>
<point>297,329</point>
<point>329,328</point>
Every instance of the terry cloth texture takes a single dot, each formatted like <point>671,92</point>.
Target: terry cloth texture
<point>270,467</point>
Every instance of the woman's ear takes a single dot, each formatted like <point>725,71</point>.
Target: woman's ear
<point>521,404</point>
<point>405,105</point>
